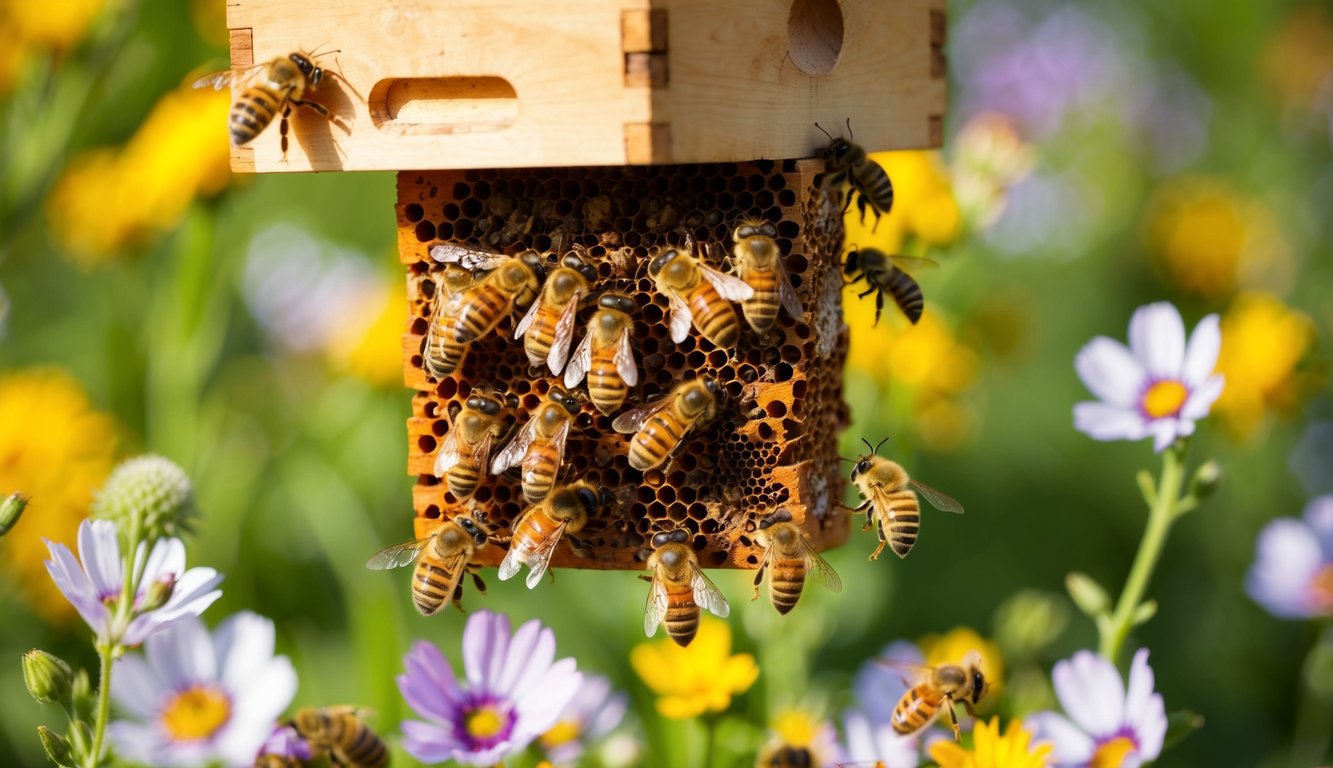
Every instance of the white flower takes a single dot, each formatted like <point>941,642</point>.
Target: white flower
<point>1158,386</point>
<point>1107,727</point>
<point>94,586</point>
<point>197,699</point>
<point>869,741</point>
<point>590,715</point>
<point>1292,575</point>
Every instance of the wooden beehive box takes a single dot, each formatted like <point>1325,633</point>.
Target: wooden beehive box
<point>452,84</point>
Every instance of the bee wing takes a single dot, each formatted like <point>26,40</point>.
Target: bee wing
<point>625,365</point>
<point>656,609</point>
<point>818,567</point>
<point>681,317</point>
<point>911,672</point>
<point>517,448</point>
<point>511,564</point>
<point>526,322</point>
<point>731,288</point>
<point>707,595</point>
<point>397,556</point>
<point>912,262</point>
<point>564,334</point>
<point>629,422</point>
<point>449,455</point>
<point>580,362</point>
<point>540,556</point>
<point>219,80</point>
<point>938,499</point>
<point>558,443</point>
<point>787,294</point>
<point>474,259</point>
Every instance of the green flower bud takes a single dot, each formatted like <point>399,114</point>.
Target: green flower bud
<point>81,739</point>
<point>10,510</point>
<point>1179,725</point>
<point>1206,479</point>
<point>57,748</point>
<point>1087,594</point>
<point>159,592</point>
<point>49,680</point>
<point>1028,622</point>
<point>151,493</point>
<point>82,695</point>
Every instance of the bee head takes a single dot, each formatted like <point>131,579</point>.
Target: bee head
<point>472,529</point>
<point>533,261</point>
<point>780,516</point>
<point>588,498</point>
<point>565,400</point>
<point>677,536</point>
<point>616,301</point>
<point>662,259</point>
<point>484,404</point>
<point>978,684</point>
<point>573,261</point>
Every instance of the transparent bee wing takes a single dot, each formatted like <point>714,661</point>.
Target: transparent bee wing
<point>625,365</point>
<point>511,564</point>
<point>580,362</point>
<point>938,499</point>
<point>707,595</point>
<point>564,334</point>
<point>787,294</point>
<point>466,256</point>
<point>397,556</point>
<point>681,317</point>
<point>526,323</point>
<point>558,443</point>
<point>449,455</point>
<point>629,422</point>
<point>819,568</point>
<point>513,453</point>
<point>912,672</point>
<point>219,80</point>
<point>539,559</point>
<point>656,609</point>
<point>731,288</point>
<point>912,262</point>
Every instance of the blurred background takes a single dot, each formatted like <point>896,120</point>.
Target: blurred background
<point>1097,157</point>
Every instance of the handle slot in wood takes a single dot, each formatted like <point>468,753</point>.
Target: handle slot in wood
<point>435,105</point>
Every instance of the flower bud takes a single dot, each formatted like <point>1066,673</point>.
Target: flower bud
<point>158,593</point>
<point>82,695</point>
<point>56,747</point>
<point>81,739</point>
<point>1087,594</point>
<point>1179,725</point>
<point>151,493</point>
<point>1206,479</point>
<point>49,680</point>
<point>10,510</point>
<point>1029,621</point>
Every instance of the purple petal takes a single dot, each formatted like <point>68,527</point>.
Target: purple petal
<point>1319,516</point>
<point>1201,354</point>
<point>530,654</point>
<point>1157,339</point>
<point>193,593</point>
<point>428,685</point>
<point>485,642</point>
<point>74,584</point>
<point>99,550</point>
<point>877,688</point>
<point>539,708</point>
<point>1091,692</point>
<point>429,743</point>
<point>1287,557</point>
<point>1071,746</point>
<point>1110,372</point>
<point>1108,422</point>
<point>608,717</point>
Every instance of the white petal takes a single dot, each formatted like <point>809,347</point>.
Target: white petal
<point>1319,516</point>
<point>135,688</point>
<point>530,654</point>
<point>1140,686</point>
<point>1109,422</point>
<point>1151,729</point>
<point>1202,398</point>
<point>99,549</point>
<point>267,692</point>
<point>182,654</point>
<point>134,741</point>
<point>1144,709</point>
<point>1165,431</point>
<point>1287,556</point>
<point>1201,354</point>
<point>74,584</point>
<point>1110,372</point>
<point>244,646</point>
<point>1071,746</point>
<point>1157,339</point>
<point>1091,692</point>
<point>485,641</point>
<point>167,557</point>
<point>539,708</point>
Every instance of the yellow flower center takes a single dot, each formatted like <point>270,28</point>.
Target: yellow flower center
<point>196,713</point>
<point>1321,590</point>
<point>484,723</point>
<point>562,732</point>
<point>1112,754</point>
<point>1164,398</point>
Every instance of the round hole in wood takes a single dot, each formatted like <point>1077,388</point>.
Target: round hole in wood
<point>814,35</point>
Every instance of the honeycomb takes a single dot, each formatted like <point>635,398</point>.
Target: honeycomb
<point>774,442</point>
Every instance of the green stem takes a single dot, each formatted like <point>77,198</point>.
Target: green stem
<point>710,731</point>
<point>1166,506</point>
<point>109,648</point>
<point>103,705</point>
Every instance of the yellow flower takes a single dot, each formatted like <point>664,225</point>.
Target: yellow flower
<point>56,448</point>
<point>1299,57</point>
<point>55,25</point>
<point>953,646</point>
<point>1208,238</point>
<point>991,750</point>
<point>798,729</point>
<point>1262,342</point>
<point>180,152</point>
<point>701,677</point>
<point>923,205</point>
<point>369,346</point>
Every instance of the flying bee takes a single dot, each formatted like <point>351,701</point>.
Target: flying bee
<point>869,183</point>
<point>938,688</point>
<point>540,445</point>
<point>890,501</point>
<point>679,589</point>
<point>268,89</point>
<point>539,530</point>
<point>789,558</point>
<point>699,295</point>
<point>442,353</point>
<point>885,274</point>
<point>548,328</point>
<point>759,264</point>
<point>504,282</point>
<point>462,457</point>
<point>660,426</point>
<point>605,355</point>
<point>341,734</point>
<point>441,558</point>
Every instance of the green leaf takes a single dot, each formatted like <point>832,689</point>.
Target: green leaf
<point>1147,487</point>
<point>1146,610</point>
<point>56,747</point>
<point>1180,724</point>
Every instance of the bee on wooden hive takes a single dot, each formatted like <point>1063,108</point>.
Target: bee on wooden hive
<point>268,89</point>
<point>759,263</point>
<point>340,734</point>
<point>440,558</point>
<point>661,425</point>
<point>540,444</point>
<point>466,449</point>
<point>505,282</point>
<point>698,295</point>
<point>547,329</point>
<point>885,274</point>
<point>605,356</point>
<point>848,164</point>
<point>678,589</point>
<point>539,530</point>
<point>788,559</point>
<point>442,352</point>
<point>890,501</point>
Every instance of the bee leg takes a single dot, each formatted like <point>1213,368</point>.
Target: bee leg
<point>953,720</point>
<point>861,200</point>
<point>880,532</point>
<point>758,578</point>
<point>478,583</point>
<point>645,577</point>
<point>282,130</point>
<point>879,306</point>
<point>316,106</point>
<point>866,292</point>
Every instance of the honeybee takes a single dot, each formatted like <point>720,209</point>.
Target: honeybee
<point>869,183</point>
<point>462,457</point>
<point>890,501</point>
<point>538,531</point>
<point>548,327</point>
<point>789,557</point>
<point>938,688</point>
<point>270,87</point>
<point>787,756</point>
<point>884,274</point>
<point>759,264</point>
<point>442,353</point>
<point>540,445</point>
<point>605,355</point>
<point>679,589</point>
<point>441,558</point>
<point>700,295</point>
<point>509,281</point>
<point>660,426</point>
<point>341,734</point>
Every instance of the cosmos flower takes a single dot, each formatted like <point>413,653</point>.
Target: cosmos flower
<point>93,583</point>
<point>197,699</point>
<point>514,691</point>
<point>869,741</point>
<point>1015,749</point>
<point>701,677</point>
<point>801,737</point>
<point>1158,386</point>
<point>590,715</point>
<point>1292,575</point>
<point>1106,726</point>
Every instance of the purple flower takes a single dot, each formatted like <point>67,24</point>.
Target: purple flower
<point>1292,575</point>
<point>514,692</point>
<point>867,728</point>
<point>1106,726</point>
<point>94,586</point>
<point>590,715</point>
<point>1158,386</point>
<point>286,742</point>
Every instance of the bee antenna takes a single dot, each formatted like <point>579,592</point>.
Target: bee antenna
<point>881,442</point>
<point>867,442</point>
<point>849,461</point>
<point>826,133</point>
<point>849,128</point>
